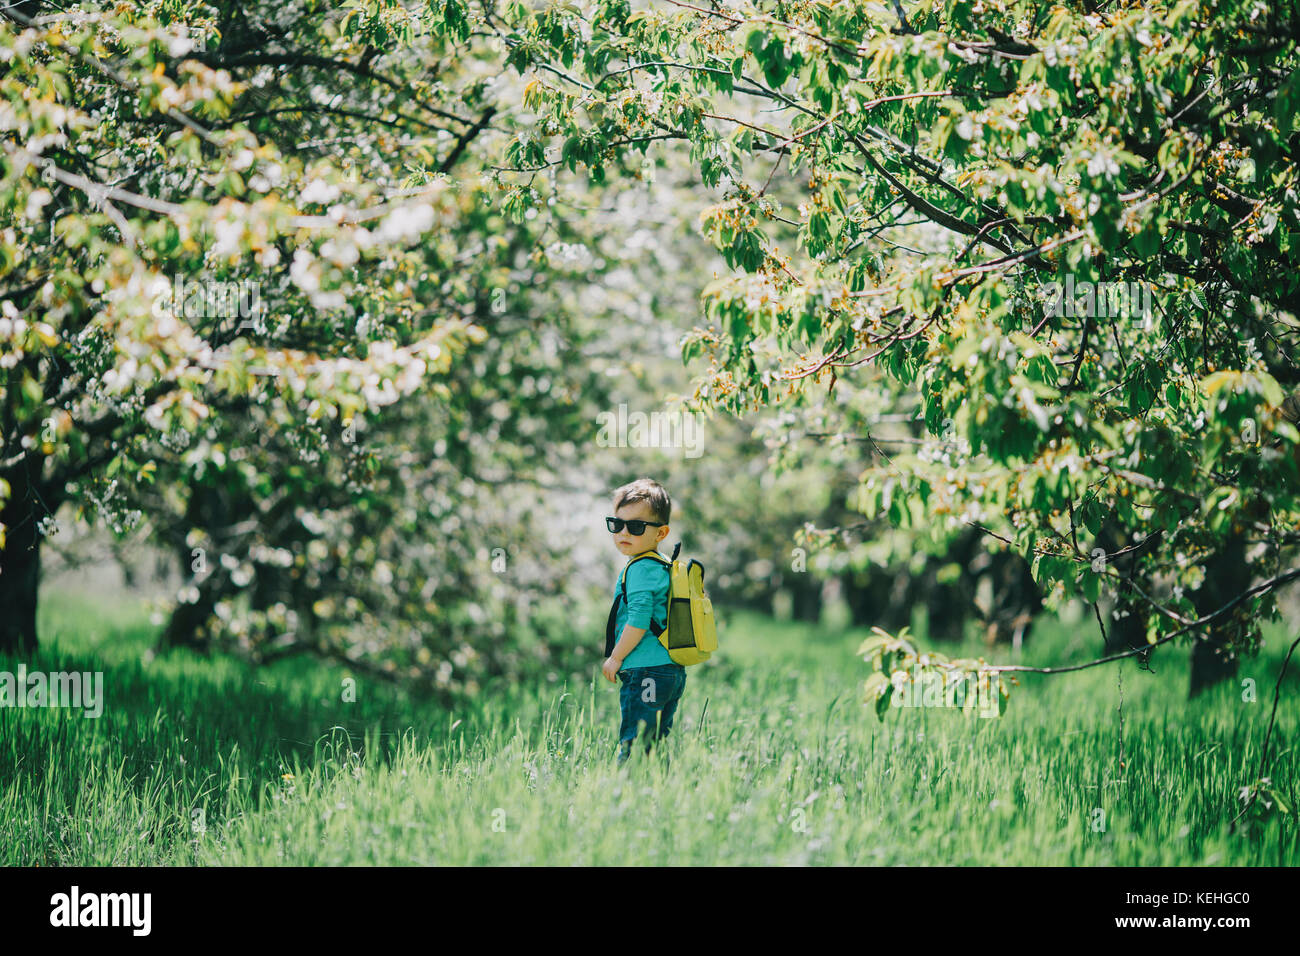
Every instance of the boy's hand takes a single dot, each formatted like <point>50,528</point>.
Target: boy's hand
<point>610,668</point>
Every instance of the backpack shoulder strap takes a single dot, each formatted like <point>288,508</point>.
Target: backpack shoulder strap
<point>646,554</point>
<point>623,585</point>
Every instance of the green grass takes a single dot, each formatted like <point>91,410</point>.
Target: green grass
<point>788,768</point>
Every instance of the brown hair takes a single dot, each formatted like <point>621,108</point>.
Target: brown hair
<point>648,490</point>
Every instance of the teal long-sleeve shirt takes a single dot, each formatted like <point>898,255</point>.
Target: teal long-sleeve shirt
<point>647,600</point>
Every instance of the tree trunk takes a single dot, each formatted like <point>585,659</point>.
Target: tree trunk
<point>948,604</point>
<point>806,596</point>
<point>1128,632</point>
<point>1015,599</point>
<point>183,626</point>
<point>205,509</point>
<point>1226,576</point>
<point>1210,663</point>
<point>20,567</point>
<point>877,597</point>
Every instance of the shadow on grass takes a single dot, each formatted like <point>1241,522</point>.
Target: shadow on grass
<point>186,716</point>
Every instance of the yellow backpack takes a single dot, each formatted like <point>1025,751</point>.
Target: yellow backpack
<point>691,635</point>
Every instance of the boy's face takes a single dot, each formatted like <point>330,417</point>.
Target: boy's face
<point>629,543</point>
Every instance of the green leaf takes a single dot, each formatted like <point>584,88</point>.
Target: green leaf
<point>872,644</point>
<point>882,702</point>
<point>874,686</point>
<point>1091,584</point>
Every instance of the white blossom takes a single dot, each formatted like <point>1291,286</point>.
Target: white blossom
<point>319,191</point>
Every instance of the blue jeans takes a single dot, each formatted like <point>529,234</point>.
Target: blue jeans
<point>649,695</point>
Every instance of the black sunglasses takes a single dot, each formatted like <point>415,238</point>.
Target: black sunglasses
<point>635,527</point>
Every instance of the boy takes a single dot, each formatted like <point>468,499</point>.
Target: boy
<point>652,682</point>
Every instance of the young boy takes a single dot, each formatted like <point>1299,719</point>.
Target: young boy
<point>652,683</point>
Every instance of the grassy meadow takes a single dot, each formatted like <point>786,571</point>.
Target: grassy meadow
<point>206,761</point>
